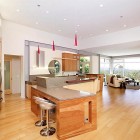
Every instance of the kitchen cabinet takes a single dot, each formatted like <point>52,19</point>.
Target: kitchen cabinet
<point>70,110</point>
<point>100,78</point>
<point>70,62</point>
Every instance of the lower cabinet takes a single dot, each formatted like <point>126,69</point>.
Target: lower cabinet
<point>35,107</point>
<point>100,78</point>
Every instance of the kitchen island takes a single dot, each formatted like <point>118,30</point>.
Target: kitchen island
<point>71,109</point>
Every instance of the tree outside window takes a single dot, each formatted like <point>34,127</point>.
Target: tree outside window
<point>130,69</point>
<point>104,65</point>
<point>84,64</point>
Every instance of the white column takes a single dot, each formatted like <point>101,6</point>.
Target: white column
<point>22,78</point>
<point>111,66</point>
<point>95,64</point>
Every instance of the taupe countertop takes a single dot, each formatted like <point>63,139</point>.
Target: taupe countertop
<point>31,82</point>
<point>61,93</point>
<point>80,80</point>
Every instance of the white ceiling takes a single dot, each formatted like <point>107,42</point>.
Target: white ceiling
<point>93,19</point>
<point>131,48</point>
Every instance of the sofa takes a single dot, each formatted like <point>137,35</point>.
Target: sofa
<point>114,80</point>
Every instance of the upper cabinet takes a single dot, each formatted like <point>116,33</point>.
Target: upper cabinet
<point>70,62</point>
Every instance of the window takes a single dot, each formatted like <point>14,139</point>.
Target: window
<point>132,68</point>
<point>104,65</point>
<point>128,67</point>
<point>118,68</point>
<point>84,64</point>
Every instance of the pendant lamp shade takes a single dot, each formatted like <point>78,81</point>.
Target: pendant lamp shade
<point>75,40</point>
<point>38,50</point>
<point>53,47</point>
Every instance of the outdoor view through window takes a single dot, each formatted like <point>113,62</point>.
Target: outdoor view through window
<point>126,67</point>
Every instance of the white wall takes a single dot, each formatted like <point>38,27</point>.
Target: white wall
<point>0,28</point>
<point>13,40</point>
<point>16,75</point>
<point>14,36</point>
<point>95,64</point>
<point>49,56</point>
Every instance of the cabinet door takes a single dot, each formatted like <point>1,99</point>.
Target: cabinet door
<point>68,65</point>
<point>74,56</point>
<point>74,65</point>
<point>67,55</point>
<point>34,107</point>
<point>69,62</point>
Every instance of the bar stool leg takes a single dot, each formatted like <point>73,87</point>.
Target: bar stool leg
<point>41,122</point>
<point>48,131</point>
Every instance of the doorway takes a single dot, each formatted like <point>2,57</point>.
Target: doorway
<point>12,74</point>
<point>7,76</point>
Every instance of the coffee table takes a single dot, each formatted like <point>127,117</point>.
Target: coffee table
<point>136,83</point>
<point>132,81</point>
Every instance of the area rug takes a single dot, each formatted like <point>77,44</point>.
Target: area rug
<point>131,86</point>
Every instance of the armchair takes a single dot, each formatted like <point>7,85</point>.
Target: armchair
<point>114,82</point>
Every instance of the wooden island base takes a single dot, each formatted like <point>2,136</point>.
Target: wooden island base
<point>71,113</point>
<point>71,118</point>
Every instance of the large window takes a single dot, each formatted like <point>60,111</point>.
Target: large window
<point>132,68</point>
<point>104,65</point>
<point>118,67</point>
<point>128,67</point>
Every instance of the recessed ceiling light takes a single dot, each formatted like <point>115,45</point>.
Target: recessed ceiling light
<point>47,12</point>
<point>59,30</point>
<point>124,25</point>
<point>101,5</point>
<point>78,25</point>
<point>36,23</point>
<point>65,19</point>
<point>76,31</point>
<point>18,10</point>
<point>106,30</point>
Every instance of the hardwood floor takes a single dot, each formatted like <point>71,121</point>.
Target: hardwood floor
<point>118,118</point>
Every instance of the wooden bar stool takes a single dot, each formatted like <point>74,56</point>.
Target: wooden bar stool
<point>48,131</point>
<point>41,122</point>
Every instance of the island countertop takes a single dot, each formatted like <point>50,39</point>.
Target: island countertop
<point>71,105</point>
<point>61,93</point>
<point>81,80</point>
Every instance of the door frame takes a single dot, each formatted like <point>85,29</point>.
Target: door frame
<point>8,91</point>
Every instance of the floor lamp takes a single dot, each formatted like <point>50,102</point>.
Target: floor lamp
<point>119,67</point>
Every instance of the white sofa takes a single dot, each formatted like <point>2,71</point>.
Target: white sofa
<point>115,82</point>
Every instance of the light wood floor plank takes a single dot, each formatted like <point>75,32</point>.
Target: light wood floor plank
<point>118,118</point>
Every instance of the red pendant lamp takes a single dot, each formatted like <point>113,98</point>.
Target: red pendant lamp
<point>38,50</point>
<point>53,47</point>
<point>75,40</point>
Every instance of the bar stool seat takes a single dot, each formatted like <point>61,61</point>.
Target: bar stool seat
<point>48,131</point>
<point>41,122</point>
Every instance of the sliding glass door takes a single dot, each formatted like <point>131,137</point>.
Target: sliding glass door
<point>104,66</point>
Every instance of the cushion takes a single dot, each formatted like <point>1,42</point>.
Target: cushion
<point>118,76</point>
